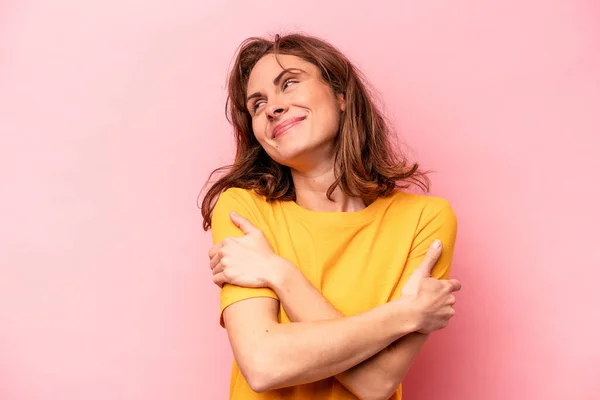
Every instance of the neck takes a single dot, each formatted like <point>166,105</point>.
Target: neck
<point>311,192</point>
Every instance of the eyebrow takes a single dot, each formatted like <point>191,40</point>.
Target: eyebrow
<point>276,80</point>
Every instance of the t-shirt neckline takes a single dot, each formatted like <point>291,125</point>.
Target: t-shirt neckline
<point>367,214</point>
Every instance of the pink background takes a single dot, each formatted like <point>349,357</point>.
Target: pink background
<point>111,117</point>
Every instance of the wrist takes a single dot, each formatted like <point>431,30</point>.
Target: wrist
<point>409,316</point>
<point>279,274</point>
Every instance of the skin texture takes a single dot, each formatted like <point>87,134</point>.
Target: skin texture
<point>308,147</point>
<point>368,353</point>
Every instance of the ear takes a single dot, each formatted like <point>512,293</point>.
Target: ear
<point>341,101</point>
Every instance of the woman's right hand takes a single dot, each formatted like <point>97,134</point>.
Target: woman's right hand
<point>432,299</point>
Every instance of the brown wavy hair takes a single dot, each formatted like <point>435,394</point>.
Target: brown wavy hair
<point>367,164</point>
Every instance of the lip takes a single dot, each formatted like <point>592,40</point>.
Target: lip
<point>281,127</point>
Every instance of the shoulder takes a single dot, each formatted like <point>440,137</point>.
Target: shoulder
<point>239,196</point>
<point>425,207</point>
<point>245,202</point>
<point>240,201</point>
<point>235,193</point>
<point>423,216</point>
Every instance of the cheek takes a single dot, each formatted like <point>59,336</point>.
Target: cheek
<point>258,127</point>
<point>330,120</point>
<point>328,112</point>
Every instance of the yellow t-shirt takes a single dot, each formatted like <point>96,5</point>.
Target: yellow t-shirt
<point>357,260</point>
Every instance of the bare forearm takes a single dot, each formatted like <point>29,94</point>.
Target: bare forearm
<point>300,299</point>
<point>381,373</point>
<point>310,351</point>
<point>379,376</point>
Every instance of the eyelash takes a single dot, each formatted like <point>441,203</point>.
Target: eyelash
<point>289,80</point>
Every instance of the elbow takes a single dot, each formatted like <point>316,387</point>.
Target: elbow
<point>259,380</point>
<point>260,373</point>
<point>377,396</point>
<point>389,387</point>
<point>384,390</point>
<point>381,397</point>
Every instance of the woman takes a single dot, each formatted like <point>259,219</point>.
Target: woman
<point>310,226</point>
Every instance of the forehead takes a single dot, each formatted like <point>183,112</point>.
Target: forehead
<point>267,68</point>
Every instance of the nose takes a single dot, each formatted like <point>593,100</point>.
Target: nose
<point>276,110</point>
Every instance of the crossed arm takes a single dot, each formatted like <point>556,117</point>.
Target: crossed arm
<point>375,378</point>
<point>369,353</point>
<point>273,355</point>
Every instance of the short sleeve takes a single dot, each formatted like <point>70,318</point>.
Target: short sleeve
<point>438,223</point>
<point>221,228</point>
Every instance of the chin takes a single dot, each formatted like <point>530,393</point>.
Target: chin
<point>298,157</point>
<point>288,159</point>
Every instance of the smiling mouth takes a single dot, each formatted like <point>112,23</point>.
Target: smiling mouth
<point>283,127</point>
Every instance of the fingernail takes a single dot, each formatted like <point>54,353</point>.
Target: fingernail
<point>436,244</point>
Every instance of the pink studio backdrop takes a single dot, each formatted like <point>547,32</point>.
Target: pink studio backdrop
<point>111,117</point>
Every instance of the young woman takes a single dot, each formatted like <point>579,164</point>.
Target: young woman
<point>331,274</point>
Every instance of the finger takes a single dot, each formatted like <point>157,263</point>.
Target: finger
<point>216,260</point>
<point>454,285</point>
<point>213,250</point>
<point>218,268</point>
<point>219,279</point>
<point>431,258</point>
<point>242,223</point>
<point>451,299</point>
<point>451,312</point>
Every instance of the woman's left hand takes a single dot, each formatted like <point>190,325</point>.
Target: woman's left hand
<point>247,261</point>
